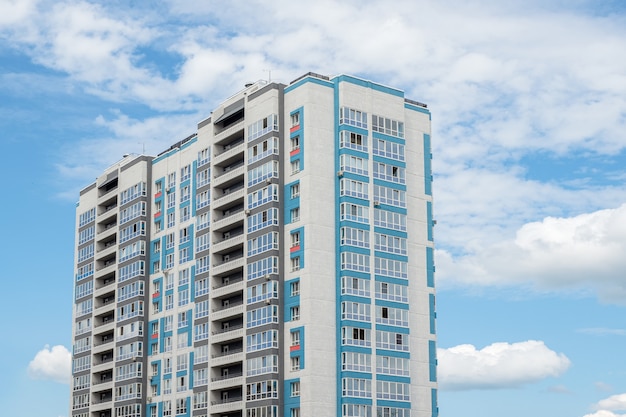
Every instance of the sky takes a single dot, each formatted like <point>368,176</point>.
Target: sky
<point>528,103</point>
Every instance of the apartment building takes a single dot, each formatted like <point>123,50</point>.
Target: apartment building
<point>278,262</point>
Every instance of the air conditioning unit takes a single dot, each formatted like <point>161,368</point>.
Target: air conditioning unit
<point>376,203</point>
<point>268,181</point>
<point>168,190</point>
<point>247,212</point>
<point>268,302</point>
<point>267,277</point>
<point>340,173</point>
<point>149,399</point>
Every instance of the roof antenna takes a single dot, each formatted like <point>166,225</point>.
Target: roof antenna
<point>269,75</point>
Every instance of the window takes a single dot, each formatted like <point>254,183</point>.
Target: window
<point>295,143</point>
<point>295,214</point>
<point>295,389</point>
<point>356,387</point>
<point>295,313</point>
<point>388,149</point>
<point>295,119</point>
<point>351,310</point>
<point>185,194</point>
<point>185,173</point>
<point>295,264</point>
<point>181,404</point>
<point>387,390</point>
<point>261,390</point>
<point>390,244</point>
<point>204,156</point>
<point>263,126</point>
<point>390,219</point>
<point>355,286</point>
<point>295,288</point>
<point>387,126</point>
<point>391,365</point>
<point>295,166</point>
<point>388,172</point>
<point>169,302</point>
<point>355,262</point>
<point>354,164</point>
<point>295,363</point>
<point>183,297</point>
<point>185,214</point>
<point>295,239</point>
<point>353,117</point>
<point>171,180</point>
<point>262,365</point>
<point>392,341</point>
<point>355,237</point>
<point>353,361</point>
<point>295,190</point>
<point>360,410</point>
<point>295,338</point>
<point>391,196</point>
<point>352,140</point>
<point>353,188</point>
<point>356,336</point>
<point>295,412</point>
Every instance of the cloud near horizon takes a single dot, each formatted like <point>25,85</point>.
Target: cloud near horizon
<point>498,366</point>
<point>52,363</point>
<point>579,253</point>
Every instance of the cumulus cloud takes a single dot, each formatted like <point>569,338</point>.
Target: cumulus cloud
<point>499,365</point>
<point>583,253</point>
<point>613,403</point>
<point>52,363</point>
<point>604,413</point>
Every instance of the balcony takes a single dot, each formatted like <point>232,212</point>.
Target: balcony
<point>101,405</point>
<point>106,230</point>
<point>233,263</point>
<point>224,358</point>
<point>222,201</point>
<point>230,175</point>
<point>233,217</point>
<point>103,366</point>
<point>228,132</point>
<point>226,405</point>
<point>229,154</point>
<point>228,243</point>
<point>230,380</point>
<point>231,333</point>
<point>231,287</point>
<point>230,311</point>
<point>104,250</point>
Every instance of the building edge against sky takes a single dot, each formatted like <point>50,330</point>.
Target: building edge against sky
<point>279,262</point>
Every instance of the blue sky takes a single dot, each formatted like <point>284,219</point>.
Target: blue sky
<point>529,140</point>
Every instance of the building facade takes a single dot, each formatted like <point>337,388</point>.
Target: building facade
<point>279,262</point>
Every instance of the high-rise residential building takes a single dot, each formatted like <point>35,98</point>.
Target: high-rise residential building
<point>279,262</point>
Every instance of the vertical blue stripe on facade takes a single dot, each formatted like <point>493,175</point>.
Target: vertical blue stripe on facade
<point>290,401</point>
<point>298,350</point>
<point>432,361</point>
<point>433,313</point>
<point>433,401</point>
<point>429,220</point>
<point>428,173</point>
<point>430,267</point>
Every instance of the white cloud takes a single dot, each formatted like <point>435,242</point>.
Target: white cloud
<point>53,363</point>
<point>604,413</point>
<point>580,253</point>
<point>613,403</point>
<point>499,365</point>
<point>602,331</point>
